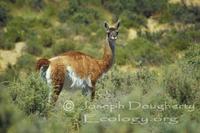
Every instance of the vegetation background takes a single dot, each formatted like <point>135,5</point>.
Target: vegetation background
<point>157,62</point>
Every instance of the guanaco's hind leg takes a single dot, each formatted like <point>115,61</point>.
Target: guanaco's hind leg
<point>93,94</point>
<point>58,77</point>
<point>89,91</point>
<point>55,94</point>
<point>93,90</point>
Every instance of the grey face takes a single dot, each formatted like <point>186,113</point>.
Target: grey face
<point>112,32</point>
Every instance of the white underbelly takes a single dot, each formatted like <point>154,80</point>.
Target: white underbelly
<point>72,80</point>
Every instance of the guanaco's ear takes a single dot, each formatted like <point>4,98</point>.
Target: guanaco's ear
<point>106,26</point>
<point>118,24</point>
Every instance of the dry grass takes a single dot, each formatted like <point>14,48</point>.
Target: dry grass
<point>187,2</point>
<point>10,56</point>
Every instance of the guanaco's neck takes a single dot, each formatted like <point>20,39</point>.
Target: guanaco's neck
<point>109,54</point>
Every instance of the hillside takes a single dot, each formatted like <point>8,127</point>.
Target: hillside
<point>155,76</point>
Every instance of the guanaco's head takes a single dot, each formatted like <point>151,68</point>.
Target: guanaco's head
<point>112,32</point>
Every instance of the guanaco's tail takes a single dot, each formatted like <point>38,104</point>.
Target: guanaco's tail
<point>42,63</point>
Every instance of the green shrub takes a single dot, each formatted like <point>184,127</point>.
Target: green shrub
<point>34,46</point>
<point>5,44</point>
<point>85,16</point>
<point>46,39</point>
<point>4,16</point>
<point>154,37</point>
<point>65,14</point>
<point>93,2</point>
<point>81,18</point>
<point>34,4</point>
<point>193,34</point>
<point>176,40</point>
<point>50,10</point>
<point>63,31</point>
<point>130,19</point>
<point>26,63</point>
<point>13,1</point>
<point>9,113</point>
<point>150,7</point>
<point>192,58</point>
<point>120,83</point>
<point>30,94</point>
<point>41,22</point>
<point>114,82</point>
<point>78,14</point>
<point>180,13</point>
<point>143,52</point>
<point>17,30</point>
<point>61,47</point>
<point>179,86</point>
<point>181,81</point>
<point>9,74</point>
<point>144,7</point>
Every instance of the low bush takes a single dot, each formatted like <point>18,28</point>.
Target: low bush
<point>9,113</point>
<point>17,30</point>
<point>177,40</point>
<point>46,39</point>
<point>142,7</point>
<point>30,94</point>
<point>34,46</point>
<point>118,85</point>
<point>141,51</point>
<point>34,4</point>
<point>150,7</point>
<point>78,14</point>
<point>154,37</point>
<point>179,86</point>
<point>63,46</point>
<point>9,75</point>
<point>4,14</point>
<point>130,19</point>
<point>180,13</point>
<point>26,63</point>
<point>173,40</point>
<point>181,81</point>
<point>5,44</point>
<point>65,14</point>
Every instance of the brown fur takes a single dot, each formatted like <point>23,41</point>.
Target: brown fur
<point>42,62</point>
<point>58,77</point>
<point>85,65</point>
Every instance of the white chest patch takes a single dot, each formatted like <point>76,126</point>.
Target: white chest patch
<point>76,81</point>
